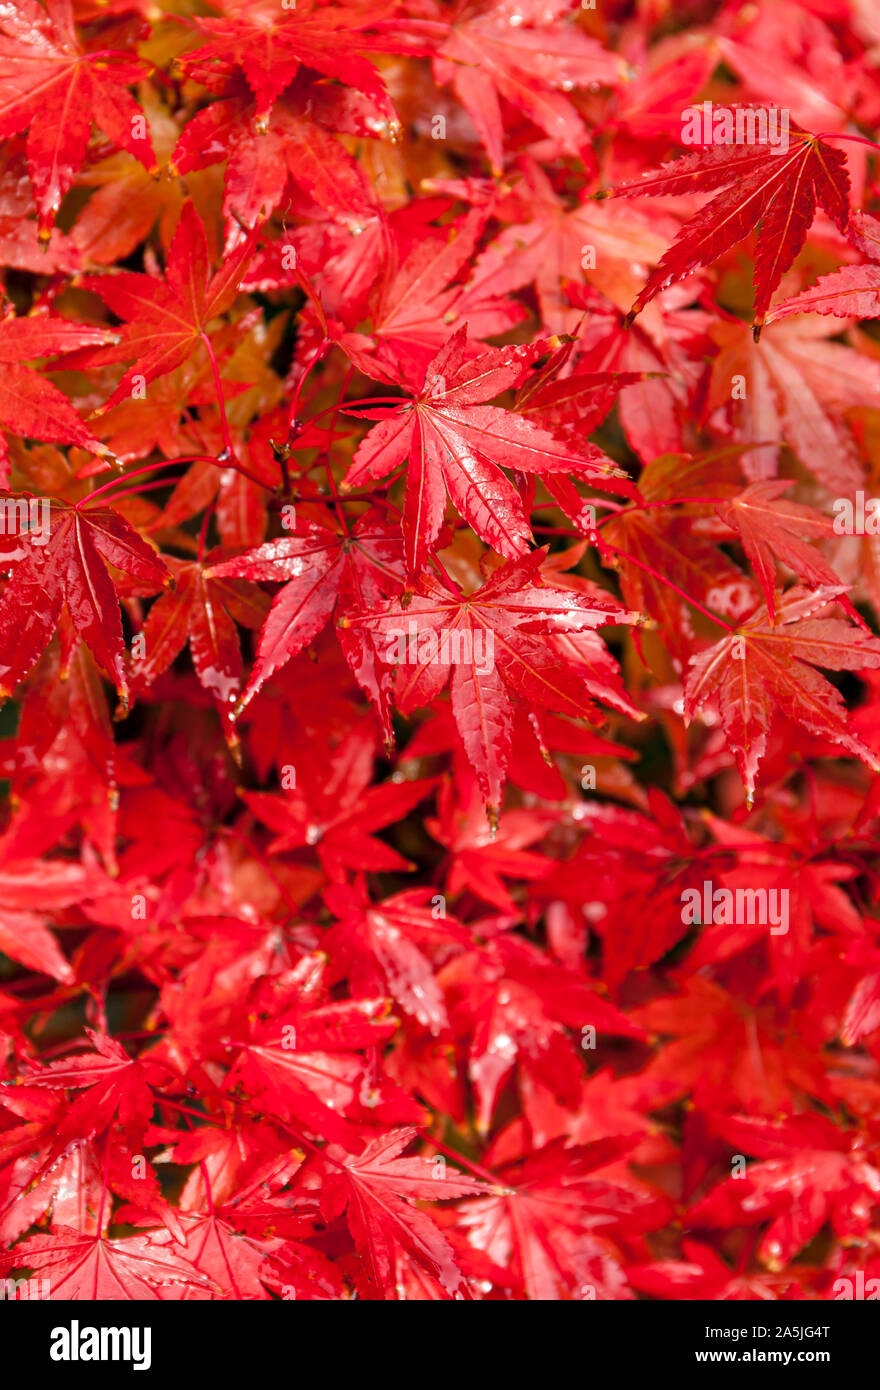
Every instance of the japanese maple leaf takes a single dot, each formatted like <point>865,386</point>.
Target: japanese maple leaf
<point>166,319</point>
<point>722,1051</point>
<point>637,866</point>
<point>321,566</point>
<point>482,855</point>
<point>789,56</point>
<point>645,540</point>
<point>54,86</point>
<point>529,56</point>
<point>262,151</point>
<point>70,571</point>
<point>665,347</point>
<point>21,247</point>
<point>761,667</point>
<point>390,944</point>
<point>29,893</point>
<point>851,292</point>
<point>550,1223</point>
<point>224,1157</point>
<point>812,879</point>
<point>65,757</point>
<point>376,1189</point>
<point>499,654</point>
<point>127,200</point>
<point>699,1274</point>
<point>36,1183</point>
<point>114,1086</point>
<point>202,609</point>
<point>229,1259</point>
<point>775,187</point>
<point>340,811</point>
<point>29,404</point>
<point>269,45</point>
<point>811,1172</point>
<point>775,530</point>
<point>515,1006</point>
<point>304,1067</point>
<point>414,302</point>
<point>92,1267</point>
<point>547,242</point>
<point>457,444</point>
<point>798,388</point>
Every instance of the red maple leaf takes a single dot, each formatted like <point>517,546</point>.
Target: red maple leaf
<point>375,1190</point>
<point>321,565</point>
<point>775,188</point>
<point>165,320</point>
<point>70,572</point>
<point>810,1172</point>
<point>114,1087</point>
<point>550,1223</point>
<point>95,1267</point>
<point>341,813</point>
<point>486,647</point>
<point>775,530</point>
<point>202,610</point>
<point>525,56</point>
<point>55,87</point>
<point>763,666</point>
<point>30,405</point>
<point>392,942</point>
<point>457,444</point>
<point>270,46</point>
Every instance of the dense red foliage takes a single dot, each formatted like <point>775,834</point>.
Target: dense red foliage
<point>473,888</point>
